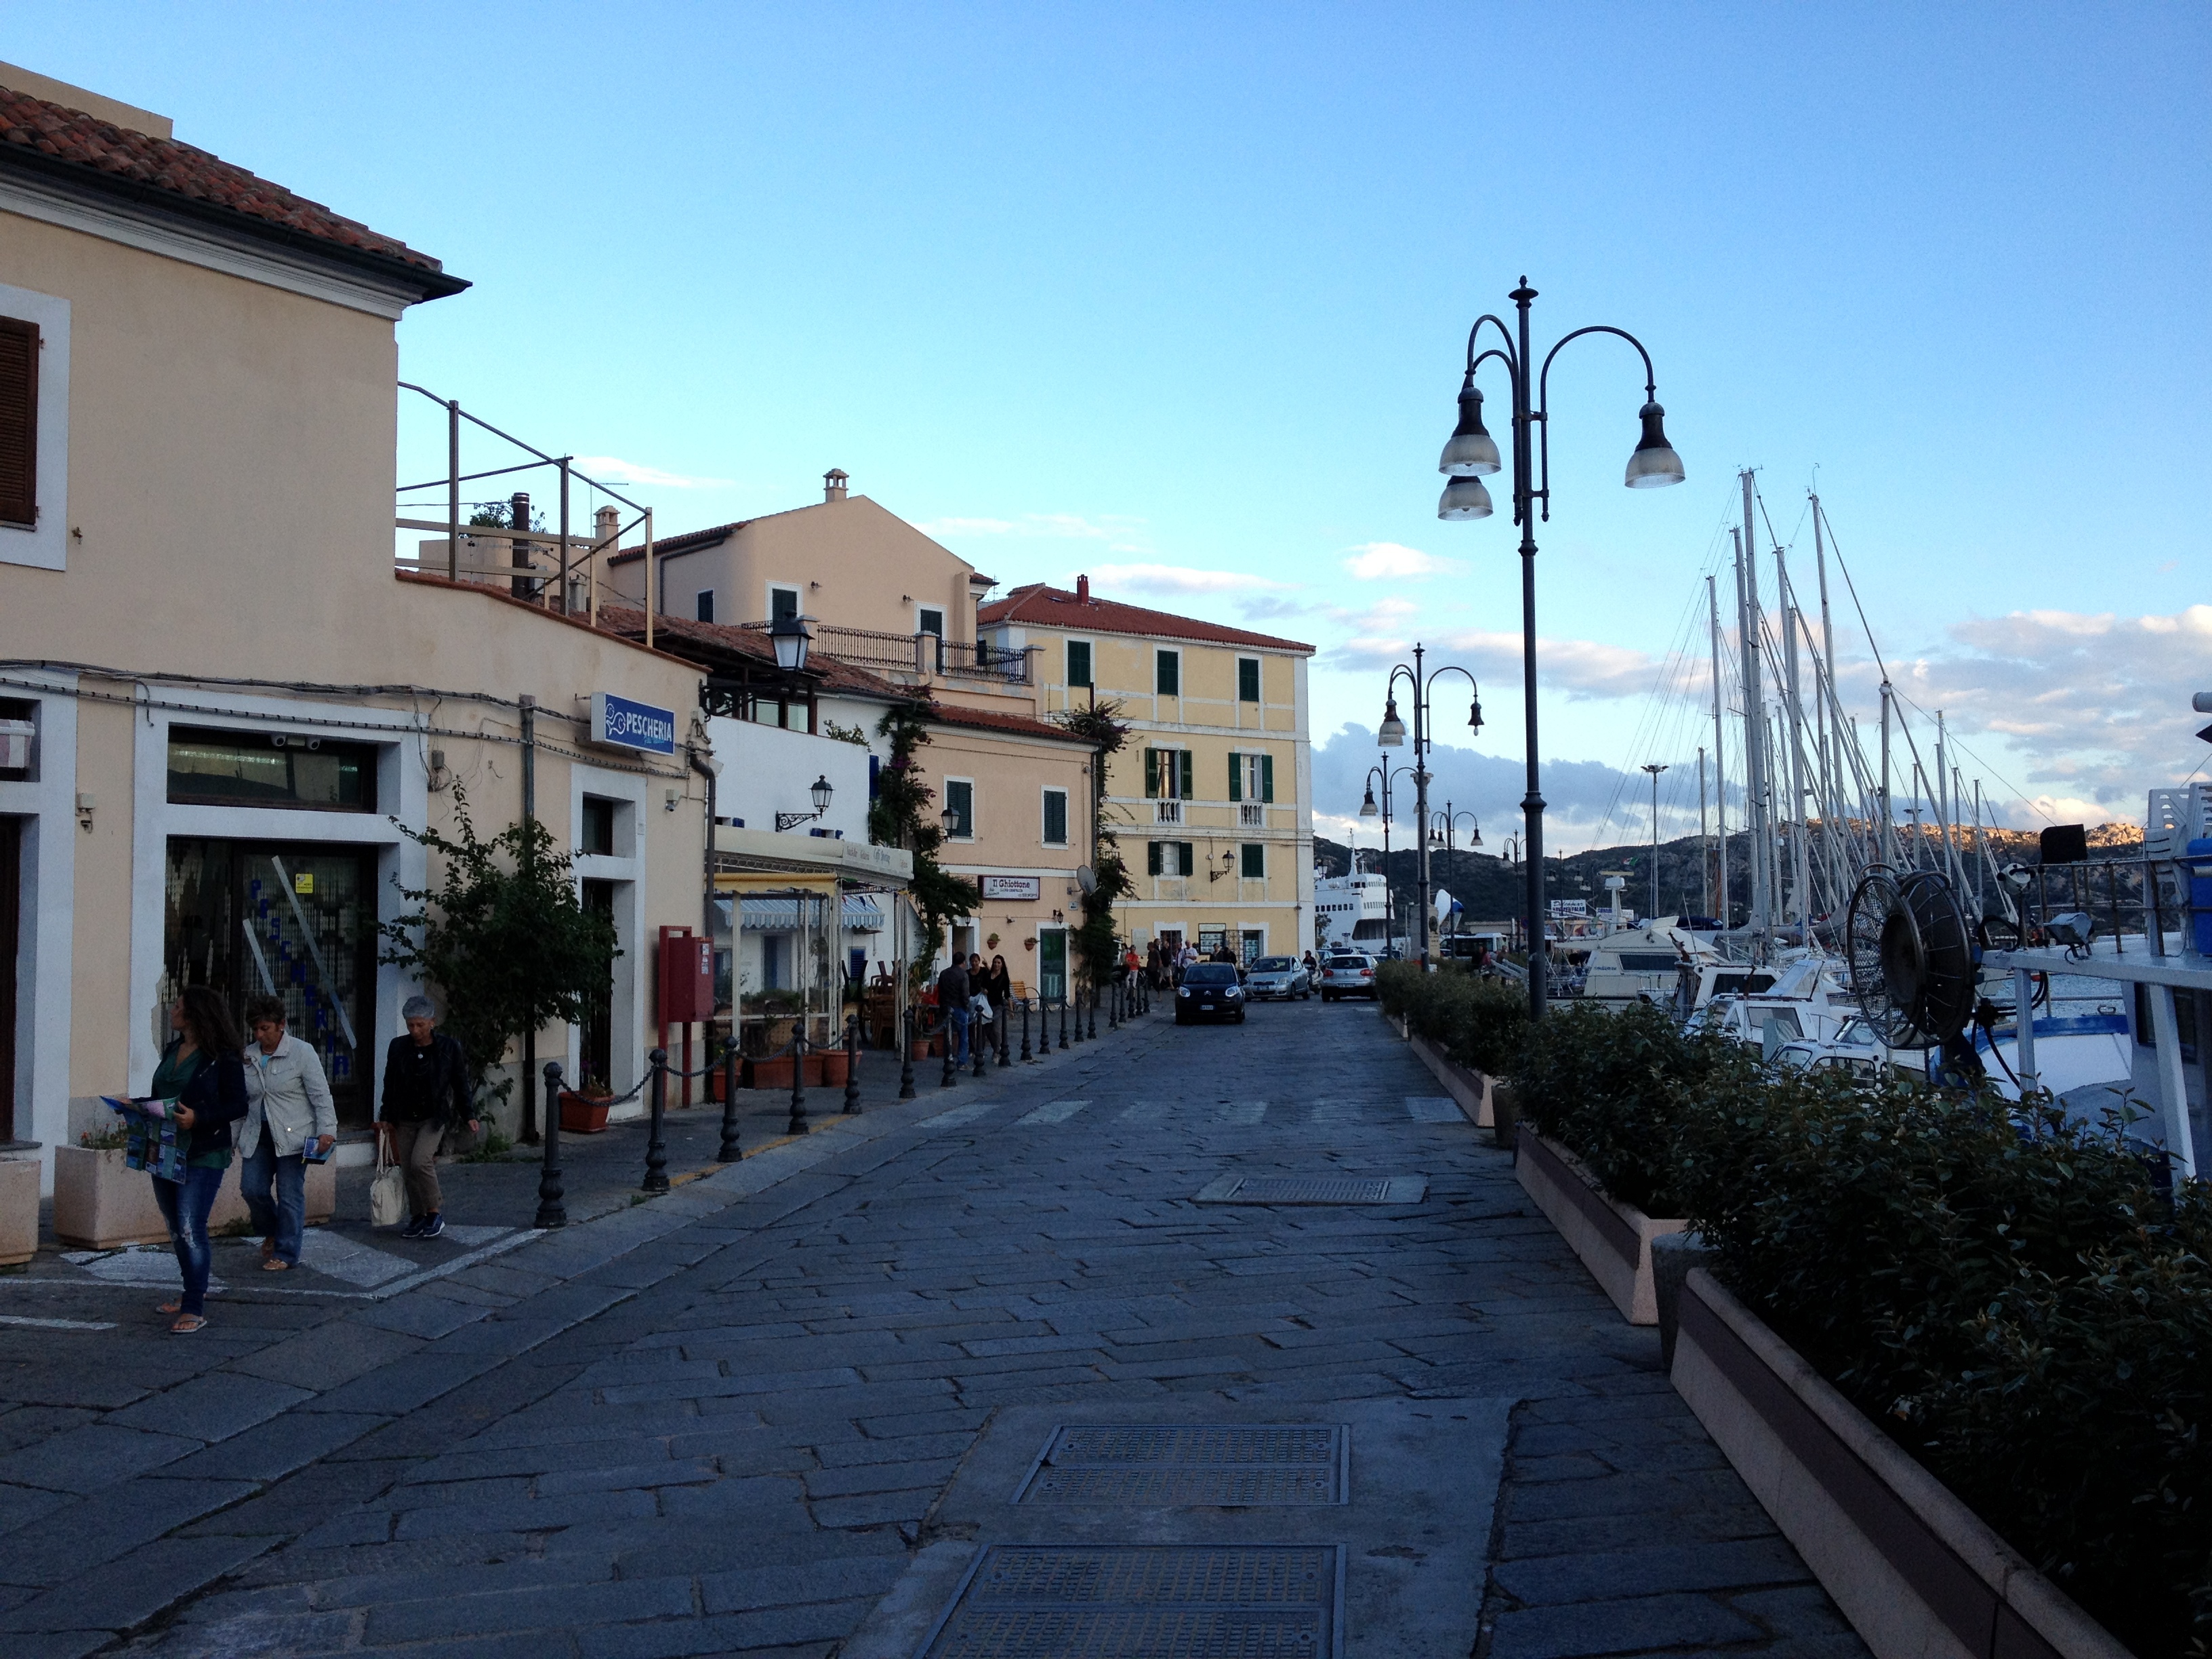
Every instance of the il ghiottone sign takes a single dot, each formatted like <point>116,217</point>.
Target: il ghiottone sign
<point>619,723</point>
<point>1010,887</point>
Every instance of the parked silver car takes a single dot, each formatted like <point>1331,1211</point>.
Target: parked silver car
<point>1347,974</point>
<point>1278,977</point>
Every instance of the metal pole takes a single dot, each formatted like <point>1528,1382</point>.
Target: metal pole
<point>852,1065</point>
<point>1705,843</point>
<point>1720,770</point>
<point>904,1027</point>
<point>730,1151</point>
<point>552,1211</point>
<point>1024,1001</point>
<point>1063,1018</point>
<point>1005,1027</point>
<point>656,1149</point>
<point>1754,715</point>
<point>649,595</point>
<point>564,535</point>
<point>1887,843</point>
<point>1653,915</point>
<point>452,489</point>
<point>1093,1000</point>
<point>1524,509</point>
<point>945,1037</point>
<point>529,817</point>
<point>1421,804</point>
<point>798,1126</point>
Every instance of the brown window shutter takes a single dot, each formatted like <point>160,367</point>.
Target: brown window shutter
<point>19,421</point>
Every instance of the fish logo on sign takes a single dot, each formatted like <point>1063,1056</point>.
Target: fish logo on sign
<point>619,723</point>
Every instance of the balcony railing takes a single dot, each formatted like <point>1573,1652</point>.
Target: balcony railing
<point>1167,811</point>
<point>921,653</point>
<point>1251,815</point>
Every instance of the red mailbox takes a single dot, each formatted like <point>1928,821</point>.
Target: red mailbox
<point>687,977</point>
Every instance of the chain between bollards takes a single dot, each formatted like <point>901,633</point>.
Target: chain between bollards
<point>552,1211</point>
<point>852,1066</point>
<point>730,1152</point>
<point>656,1149</point>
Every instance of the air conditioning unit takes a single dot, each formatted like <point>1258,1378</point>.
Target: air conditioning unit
<point>16,745</point>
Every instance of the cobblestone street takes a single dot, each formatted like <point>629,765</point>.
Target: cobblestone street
<point>782,1409</point>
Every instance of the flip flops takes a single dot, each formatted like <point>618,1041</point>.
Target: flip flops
<point>277,1264</point>
<point>186,1324</point>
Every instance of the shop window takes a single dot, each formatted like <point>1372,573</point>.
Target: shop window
<point>598,836</point>
<point>1056,818</point>
<point>1253,861</point>
<point>1248,679</point>
<point>1167,673</point>
<point>278,769</point>
<point>1079,662</point>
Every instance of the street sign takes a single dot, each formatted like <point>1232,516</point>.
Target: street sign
<point>619,723</point>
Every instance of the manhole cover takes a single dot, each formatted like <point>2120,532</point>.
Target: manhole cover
<point>1166,1466</point>
<point>1138,1601</point>
<point>1314,1189</point>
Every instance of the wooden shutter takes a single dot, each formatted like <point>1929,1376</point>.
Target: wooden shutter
<point>1267,777</point>
<point>19,421</point>
<point>1236,776</point>
<point>1152,858</point>
<point>1151,773</point>
<point>1183,855</point>
<point>1187,790</point>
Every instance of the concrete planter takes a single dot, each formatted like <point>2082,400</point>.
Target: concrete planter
<point>1612,1239</point>
<point>1471,1089</point>
<point>103,1204</point>
<point>1915,1571</point>
<point>18,1210</point>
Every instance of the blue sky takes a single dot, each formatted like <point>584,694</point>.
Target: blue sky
<point>1177,296</point>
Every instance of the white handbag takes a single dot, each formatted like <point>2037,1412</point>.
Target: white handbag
<point>387,1190</point>
<point>981,1005</point>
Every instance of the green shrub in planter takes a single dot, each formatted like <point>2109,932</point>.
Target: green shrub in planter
<point>2008,1294</point>
<point>1612,1087</point>
<point>1479,1020</point>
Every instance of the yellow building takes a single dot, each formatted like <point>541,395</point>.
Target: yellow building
<point>1212,797</point>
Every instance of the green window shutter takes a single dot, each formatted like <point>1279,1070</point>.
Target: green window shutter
<point>1248,679</point>
<point>1236,776</point>
<point>1167,679</point>
<point>1255,861</point>
<point>1152,774</point>
<point>1055,816</point>
<point>1152,858</point>
<point>1079,662</point>
<point>1184,853</point>
<point>1267,777</point>
<point>1187,790</point>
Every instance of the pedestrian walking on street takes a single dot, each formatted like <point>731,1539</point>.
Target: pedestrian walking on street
<point>289,1118</point>
<point>426,1092</point>
<point>999,988</point>
<point>952,994</point>
<point>203,1072</point>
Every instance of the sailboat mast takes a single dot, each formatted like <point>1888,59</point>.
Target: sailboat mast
<point>1800,871</point>
<point>1720,771</point>
<point>1705,842</point>
<point>1762,888</point>
<point>1887,844</point>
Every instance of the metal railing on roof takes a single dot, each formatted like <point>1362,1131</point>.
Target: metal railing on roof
<point>925,654</point>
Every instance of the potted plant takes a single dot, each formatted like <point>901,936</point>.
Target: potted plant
<point>584,1111</point>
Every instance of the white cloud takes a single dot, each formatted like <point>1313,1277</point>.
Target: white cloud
<point>1374,561</point>
<point>612,469</point>
<point>1120,532</point>
<point>1178,579</point>
<point>1384,634</point>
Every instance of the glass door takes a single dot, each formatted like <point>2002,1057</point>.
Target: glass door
<point>1052,965</point>
<point>11,878</point>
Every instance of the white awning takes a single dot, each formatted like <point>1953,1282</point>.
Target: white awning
<point>781,915</point>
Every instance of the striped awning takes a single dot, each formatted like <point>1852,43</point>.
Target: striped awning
<point>781,915</point>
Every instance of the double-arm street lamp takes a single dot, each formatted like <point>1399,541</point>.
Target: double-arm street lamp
<point>1470,455</point>
<point>1367,810</point>
<point>1443,826</point>
<point>1392,733</point>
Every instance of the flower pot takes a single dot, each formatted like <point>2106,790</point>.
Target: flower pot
<point>773,1074</point>
<point>18,1210</point>
<point>584,1115</point>
<point>836,1066</point>
<point>923,1049</point>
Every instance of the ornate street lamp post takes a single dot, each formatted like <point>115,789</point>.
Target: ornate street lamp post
<point>1471,454</point>
<point>1393,733</point>
<point>1367,810</point>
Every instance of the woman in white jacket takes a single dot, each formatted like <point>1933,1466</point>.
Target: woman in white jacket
<point>288,1109</point>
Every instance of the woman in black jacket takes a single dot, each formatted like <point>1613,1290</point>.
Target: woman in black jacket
<point>203,1071</point>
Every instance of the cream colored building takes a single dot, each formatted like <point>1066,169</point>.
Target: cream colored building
<point>216,693</point>
<point>1212,797</point>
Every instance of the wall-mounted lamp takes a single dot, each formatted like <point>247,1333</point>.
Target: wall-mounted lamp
<point>820,793</point>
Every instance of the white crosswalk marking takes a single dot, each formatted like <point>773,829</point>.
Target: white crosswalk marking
<point>1434,1108</point>
<point>1145,1111</point>
<point>1053,1111</point>
<point>957,1116</point>
<point>1245,1112</point>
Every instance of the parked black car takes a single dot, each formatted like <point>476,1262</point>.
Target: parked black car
<point>1210,990</point>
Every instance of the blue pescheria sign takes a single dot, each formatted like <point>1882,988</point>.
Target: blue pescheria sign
<point>619,723</point>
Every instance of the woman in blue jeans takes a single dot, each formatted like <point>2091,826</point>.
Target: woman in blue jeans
<point>203,1071</point>
<point>289,1119</point>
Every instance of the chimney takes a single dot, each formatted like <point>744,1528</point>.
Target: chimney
<point>833,485</point>
<point>517,517</point>
<point>606,524</point>
<point>1083,589</point>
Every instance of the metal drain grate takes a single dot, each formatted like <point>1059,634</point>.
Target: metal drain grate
<point>1166,1466</point>
<point>1314,1189</point>
<point>1147,1601</point>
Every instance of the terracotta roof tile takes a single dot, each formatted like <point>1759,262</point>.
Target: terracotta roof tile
<point>986,720</point>
<point>67,142</point>
<point>1055,607</point>
<point>674,633</point>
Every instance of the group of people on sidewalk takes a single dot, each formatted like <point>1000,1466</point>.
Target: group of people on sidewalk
<point>970,996</point>
<point>267,1102</point>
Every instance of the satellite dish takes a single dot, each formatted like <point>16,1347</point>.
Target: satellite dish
<point>1086,877</point>
<point>1912,958</point>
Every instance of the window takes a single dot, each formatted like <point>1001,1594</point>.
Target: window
<point>704,607</point>
<point>1079,662</point>
<point>1056,818</point>
<point>19,422</point>
<point>782,602</point>
<point>598,827</point>
<point>1168,773</point>
<point>928,619</point>
<point>960,796</point>
<point>1167,673</point>
<point>1168,858</point>
<point>277,769</point>
<point>1248,679</point>
<point>1253,863</point>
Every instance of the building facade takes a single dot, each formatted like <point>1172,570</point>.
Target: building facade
<point>1211,799</point>
<point>235,708</point>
